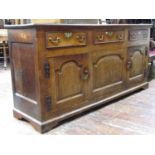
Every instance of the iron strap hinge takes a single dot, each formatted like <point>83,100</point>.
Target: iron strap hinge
<point>48,102</point>
<point>47,69</point>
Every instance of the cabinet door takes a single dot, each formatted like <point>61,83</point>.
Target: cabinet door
<point>107,73</point>
<point>136,65</point>
<point>70,76</point>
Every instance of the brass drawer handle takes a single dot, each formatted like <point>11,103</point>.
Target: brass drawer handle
<point>81,38</point>
<point>120,36</point>
<point>85,74</point>
<point>55,40</point>
<point>100,37</point>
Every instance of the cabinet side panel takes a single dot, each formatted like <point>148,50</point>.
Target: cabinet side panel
<point>24,69</point>
<point>24,78</point>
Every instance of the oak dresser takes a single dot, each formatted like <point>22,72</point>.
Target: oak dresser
<point>62,70</point>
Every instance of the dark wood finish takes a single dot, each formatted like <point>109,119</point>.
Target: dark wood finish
<point>61,70</point>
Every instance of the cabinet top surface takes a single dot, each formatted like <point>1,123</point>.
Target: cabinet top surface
<point>74,25</point>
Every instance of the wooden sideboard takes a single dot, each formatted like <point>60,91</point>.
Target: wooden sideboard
<point>62,70</point>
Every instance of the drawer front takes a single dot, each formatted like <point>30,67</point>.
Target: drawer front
<point>136,35</point>
<point>65,39</point>
<point>108,36</point>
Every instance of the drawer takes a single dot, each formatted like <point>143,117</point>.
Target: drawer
<point>136,35</point>
<point>65,39</point>
<point>108,36</point>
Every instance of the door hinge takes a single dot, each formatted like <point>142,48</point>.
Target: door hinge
<point>48,102</point>
<point>47,69</point>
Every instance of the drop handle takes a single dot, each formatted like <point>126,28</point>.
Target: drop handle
<point>55,40</point>
<point>120,36</point>
<point>85,74</point>
<point>129,65</point>
<point>81,38</point>
<point>100,37</point>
